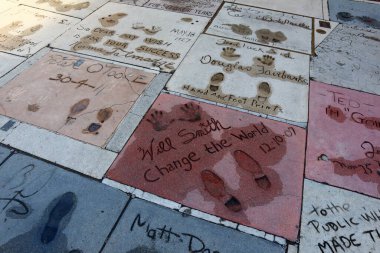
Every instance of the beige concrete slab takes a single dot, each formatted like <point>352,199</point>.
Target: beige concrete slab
<point>78,97</point>
<point>75,8</point>
<point>265,27</point>
<point>245,75</point>
<point>312,8</point>
<point>8,62</point>
<point>25,30</point>
<point>141,36</point>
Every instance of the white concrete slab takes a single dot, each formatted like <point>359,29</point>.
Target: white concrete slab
<point>349,58</point>
<point>205,8</point>
<point>129,34</point>
<point>8,62</point>
<point>265,27</point>
<point>336,220</point>
<point>84,158</point>
<point>312,8</point>
<point>244,75</point>
<point>74,8</point>
<point>25,30</point>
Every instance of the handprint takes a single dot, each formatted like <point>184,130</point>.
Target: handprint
<point>266,60</point>
<point>229,53</point>
<point>192,112</point>
<point>158,121</point>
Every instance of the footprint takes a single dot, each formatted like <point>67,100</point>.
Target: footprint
<point>248,163</point>
<point>65,204</point>
<point>216,80</point>
<point>215,187</point>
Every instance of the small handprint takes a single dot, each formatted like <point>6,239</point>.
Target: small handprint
<point>192,112</point>
<point>158,121</point>
<point>229,53</point>
<point>266,60</point>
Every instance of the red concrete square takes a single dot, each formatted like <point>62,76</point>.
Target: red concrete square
<point>234,165</point>
<point>344,138</point>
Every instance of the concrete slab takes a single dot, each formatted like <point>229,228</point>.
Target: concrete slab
<point>74,8</point>
<point>25,30</point>
<point>128,34</point>
<point>343,139</point>
<point>4,153</point>
<point>8,62</point>
<point>252,77</point>
<point>265,27</point>
<point>47,209</point>
<point>196,154</point>
<point>205,8</point>
<point>147,227</point>
<point>77,97</point>
<point>363,14</point>
<point>349,57</point>
<point>84,158</point>
<point>312,8</point>
<point>335,220</point>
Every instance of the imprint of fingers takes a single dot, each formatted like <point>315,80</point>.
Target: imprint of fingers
<point>215,187</point>
<point>248,163</point>
<point>63,207</point>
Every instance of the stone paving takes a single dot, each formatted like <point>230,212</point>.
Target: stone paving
<point>165,126</point>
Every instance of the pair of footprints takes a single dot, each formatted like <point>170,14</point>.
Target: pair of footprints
<point>191,113</point>
<point>214,185</point>
<point>102,116</point>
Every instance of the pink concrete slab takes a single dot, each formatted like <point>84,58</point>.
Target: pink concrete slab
<point>78,97</point>
<point>344,138</point>
<point>227,163</point>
